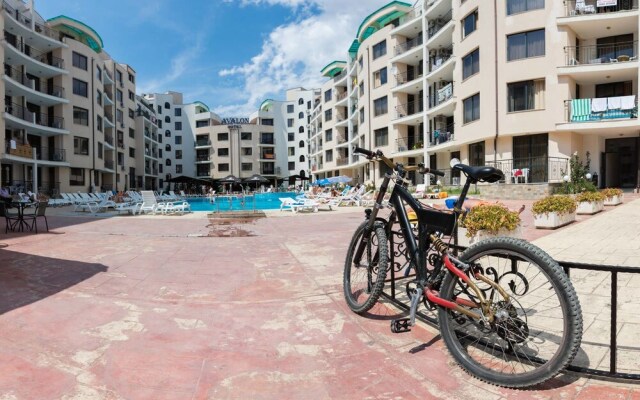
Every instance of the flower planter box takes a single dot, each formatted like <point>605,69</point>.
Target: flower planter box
<point>482,234</point>
<point>552,220</point>
<point>590,207</point>
<point>613,201</point>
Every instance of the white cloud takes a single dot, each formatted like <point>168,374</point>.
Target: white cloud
<point>293,54</point>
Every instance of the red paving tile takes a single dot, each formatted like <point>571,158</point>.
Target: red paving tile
<point>146,312</point>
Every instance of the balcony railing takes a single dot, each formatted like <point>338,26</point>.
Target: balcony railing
<point>536,169</point>
<point>40,56</point>
<point>108,164</point>
<point>342,96</point>
<point>33,83</point>
<point>268,156</point>
<point>437,24</point>
<point>24,20</point>
<point>405,77</point>
<point>203,142</point>
<point>408,143</point>
<point>267,141</point>
<point>442,95</point>
<point>436,62</point>
<point>203,158</point>
<point>601,109</point>
<point>411,108</point>
<point>408,45</point>
<point>41,119</point>
<point>590,7</point>
<point>440,136</point>
<point>108,139</point>
<point>340,75</point>
<point>411,15</point>
<point>601,54</point>
<point>42,153</point>
<point>341,139</point>
<point>109,116</point>
<point>342,161</point>
<point>267,171</point>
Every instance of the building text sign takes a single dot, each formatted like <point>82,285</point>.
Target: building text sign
<point>235,121</point>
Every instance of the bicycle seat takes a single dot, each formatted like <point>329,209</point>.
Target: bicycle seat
<point>481,174</point>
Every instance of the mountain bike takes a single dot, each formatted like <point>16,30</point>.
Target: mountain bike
<point>507,312</point>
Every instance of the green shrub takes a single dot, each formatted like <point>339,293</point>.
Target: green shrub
<point>561,204</point>
<point>610,193</point>
<point>490,217</point>
<point>589,197</point>
<point>578,182</point>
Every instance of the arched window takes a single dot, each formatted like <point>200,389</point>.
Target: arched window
<point>301,115</point>
<point>167,105</point>
<point>167,147</point>
<point>301,101</point>
<point>168,162</point>
<point>301,158</point>
<point>167,119</point>
<point>301,144</point>
<point>301,129</point>
<point>167,133</point>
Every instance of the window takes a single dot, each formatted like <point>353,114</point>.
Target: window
<point>131,113</point>
<point>328,155</point>
<point>159,123</point>
<point>99,97</point>
<point>132,133</point>
<point>119,116</point>
<point>469,24</point>
<point>132,152</point>
<point>178,125</point>
<point>519,6</point>
<point>381,137</point>
<point>300,115</point>
<point>99,74</point>
<point>119,76</point>
<point>80,116</point>
<point>328,115</point>
<point>167,147</point>
<point>167,105</point>
<point>245,135</point>
<point>290,108</point>
<point>301,158</point>
<point>292,165</point>
<point>223,152</point>
<point>167,133</point>
<point>267,121</point>
<point>380,106</point>
<point>178,140</point>
<point>202,123</point>
<point>379,49</point>
<point>380,77</point>
<point>471,108</point>
<point>80,146</point>
<point>301,129</point>
<point>178,112</point>
<point>526,95</point>
<point>328,135</point>
<point>79,61</point>
<point>611,47</point>
<point>309,105</point>
<point>300,101</point>
<point>132,96</point>
<point>76,177</point>
<point>119,96</point>
<point>471,64</point>
<point>167,162</point>
<point>525,45</point>
<point>362,115</point>
<point>99,123</point>
<point>247,166</point>
<point>178,168</point>
<point>301,144</point>
<point>291,151</point>
<point>167,119</point>
<point>289,122</point>
<point>223,137</point>
<point>159,109</point>
<point>80,88</point>
<point>476,154</point>
<point>247,151</point>
<point>178,154</point>
<point>132,78</point>
<point>223,167</point>
<point>360,62</point>
<point>99,150</point>
<point>327,95</point>
<point>291,136</point>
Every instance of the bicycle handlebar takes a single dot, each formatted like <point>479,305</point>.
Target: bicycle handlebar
<point>378,154</point>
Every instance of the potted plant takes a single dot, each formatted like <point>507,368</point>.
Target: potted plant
<point>489,220</point>
<point>554,211</point>
<point>590,202</point>
<point>612,197</point>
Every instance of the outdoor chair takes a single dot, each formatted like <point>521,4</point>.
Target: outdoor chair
<point>11,219</point>
<point>39,212</point>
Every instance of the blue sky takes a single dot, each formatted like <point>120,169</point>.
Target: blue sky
<point>230,54</point>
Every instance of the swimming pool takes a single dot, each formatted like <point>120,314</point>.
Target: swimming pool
<point>260,201</point>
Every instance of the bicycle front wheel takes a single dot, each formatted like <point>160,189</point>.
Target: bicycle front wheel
<point>533,335</point>
<point>364,280</point>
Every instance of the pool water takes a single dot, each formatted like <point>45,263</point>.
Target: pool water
<point>260,201</point>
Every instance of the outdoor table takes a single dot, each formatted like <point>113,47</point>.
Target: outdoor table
<point>20,205</point>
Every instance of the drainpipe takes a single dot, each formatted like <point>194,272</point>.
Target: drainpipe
<point>495,43</point>
<point>93,126</point>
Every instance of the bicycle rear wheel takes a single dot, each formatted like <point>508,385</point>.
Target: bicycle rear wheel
<point>363,282</point>
<point>533,335</point>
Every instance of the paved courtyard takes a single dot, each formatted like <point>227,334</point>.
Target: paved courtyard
<point>181,308</point>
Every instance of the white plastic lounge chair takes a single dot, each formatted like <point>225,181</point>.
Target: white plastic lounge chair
<point>420,191</point>
<point>149,202</point>
<point>128,207</point>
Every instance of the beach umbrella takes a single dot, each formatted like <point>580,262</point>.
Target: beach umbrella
<point>340,179</point>
<point>322,182</point>
<point>229,179</point>
<point>255,178</point>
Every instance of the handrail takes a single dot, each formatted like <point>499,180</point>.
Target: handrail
<point>591,8</point>
<point>411,108</point>
<point>36,84</point>
<point>38,55</point>
<point>405,77</point>
<point>50,121</point>
<point>24,20</point>
<point>601,53</point>
<point>435,25</point>
<point>408,45</point>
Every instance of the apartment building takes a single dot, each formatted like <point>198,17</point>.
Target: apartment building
<point>149,163</point>
<point>69,107</point>
<point>535,82</point>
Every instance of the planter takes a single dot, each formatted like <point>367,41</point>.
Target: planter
<point>590,207</point>
<point>483,234</point>
<point>552,220</point>
<point>613,201</point>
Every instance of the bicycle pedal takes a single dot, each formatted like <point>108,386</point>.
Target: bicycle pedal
<point>401,325</point>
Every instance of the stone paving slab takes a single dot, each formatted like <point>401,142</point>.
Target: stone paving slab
<point>154,308</point>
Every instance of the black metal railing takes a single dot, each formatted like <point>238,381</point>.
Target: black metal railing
<point>440,136</point>
<point>442,95</point>
<point>438,61</point>
<point>532,169</point>
<point>405,77</point>
<point>267,141</point>
<point>26,21</point>
<point>203,142</point>
<point>408,143</point>
<point>108,164</point>
<point>435,25</point>
<point>50,121</point>
<point>40,56</point>
<point>36,84</point>
<point>590,7</point>
<point>108,139</point>
<point>582,110</point>
<point>411,108</point>
<point>408,45</point>
<point>203,158</point>
<point>109,117</point>
<point>601,54</point>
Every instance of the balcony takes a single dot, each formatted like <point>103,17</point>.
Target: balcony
<point>267,171</point>
<point>35,90</point>
<point>436,25</point>
<point>25,151</point>
<point>441,136</point>
<point>531,169</point>
<point>109,164</point>
<point>600,110</point>
<point>573,8</point>
<point>408,109</point>
<point>18,117</point>
<point>408,45</point>
<point>203,159</point>
<point>408,144</point>
<point>108,139</point>
<point>45,35</point>
<point>443,95</point>
<point>340,161</point>
<point>202,143</point>
<point>108,120</point>
<point>267,156</point>
<point>18,52</point>
<point>587,20</point>
<point>597,55</point>
<point>108,79</point>
<point>268,141</point>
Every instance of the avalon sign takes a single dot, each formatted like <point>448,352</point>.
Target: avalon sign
<point>235,121</point>
<point>606,3</point>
